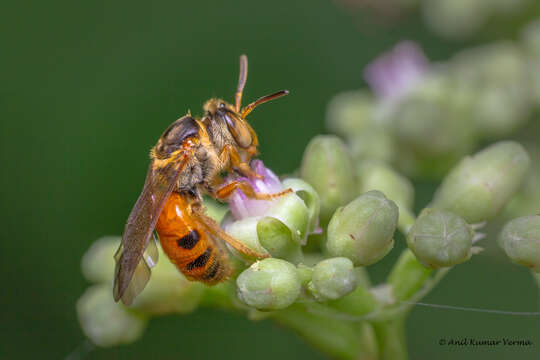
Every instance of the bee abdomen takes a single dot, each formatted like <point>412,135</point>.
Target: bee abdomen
<point>194,252</point>
<point>189,241</point>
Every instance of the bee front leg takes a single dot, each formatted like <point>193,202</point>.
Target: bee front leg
<point>230,154</point>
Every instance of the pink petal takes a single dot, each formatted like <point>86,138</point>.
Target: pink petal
<point>395,72</point>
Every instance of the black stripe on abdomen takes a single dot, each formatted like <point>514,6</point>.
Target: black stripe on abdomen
<point>200,261</point>
<point>189,241</point>
<point>212,271</point>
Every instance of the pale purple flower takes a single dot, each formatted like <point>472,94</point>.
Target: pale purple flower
<point>242,207</point>
<point>394,73</point>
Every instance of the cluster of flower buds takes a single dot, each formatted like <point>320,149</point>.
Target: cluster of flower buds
<point>343,211</point>
<point>424,117</point>
<point>316,269</point>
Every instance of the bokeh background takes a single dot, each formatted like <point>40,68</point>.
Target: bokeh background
<point>87,88</point>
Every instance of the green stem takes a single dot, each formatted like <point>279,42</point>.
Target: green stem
<point>407,276</point>
<point>337,338</point>
<point>390,337</point>
<point>406,220</point>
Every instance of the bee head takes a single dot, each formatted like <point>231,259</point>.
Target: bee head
<point>225,114</point>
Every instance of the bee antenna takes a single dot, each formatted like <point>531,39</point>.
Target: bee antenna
<point>249,108</point>
<point>241,82</point>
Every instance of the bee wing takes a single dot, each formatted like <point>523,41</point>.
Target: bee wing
<point>136,254</point>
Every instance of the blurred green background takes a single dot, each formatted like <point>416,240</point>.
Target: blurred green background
<point>86,90</point>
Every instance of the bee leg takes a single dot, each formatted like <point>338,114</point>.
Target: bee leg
<point>227,190</point>
<point>244,169</point>
<point>229,153</point>
<point>211,226</point>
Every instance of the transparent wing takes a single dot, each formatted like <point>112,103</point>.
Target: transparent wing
<point>142,272</point>
<point>135,257</point>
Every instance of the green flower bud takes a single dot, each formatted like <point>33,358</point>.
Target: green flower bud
<point>98,263</point>
<point>332,279</point>
<point>373,143</point>
<point>168,291</point>
<point>287,221</point>
<point>375,175</point>
<point>496,78</point>
<point>278,240</point>
<point>327,166</point>
<point>244,230</point>
<point>432,128</point>
<point>527,199</point>
<point>479,186</point>
<point>269,284</point>
<point>440,238</point>
<point>520,239</point>
<point>105,322</point>
<point>455,19</point>
<point>362,230</point>
<point>350,112</point>
<point>311,199</point>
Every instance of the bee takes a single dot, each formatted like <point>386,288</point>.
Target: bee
<point>188,160</point>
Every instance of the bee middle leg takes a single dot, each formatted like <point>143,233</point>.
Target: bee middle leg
<point>227,190</point>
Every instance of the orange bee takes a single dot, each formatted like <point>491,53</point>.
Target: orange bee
<point>188,159</point>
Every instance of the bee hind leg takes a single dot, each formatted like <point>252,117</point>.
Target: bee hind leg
<point>211,226</point>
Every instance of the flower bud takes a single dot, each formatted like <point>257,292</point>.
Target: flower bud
<point>479,186</point>
<point>98,263</point>
<point>432,128</point>
<point>520,239</point>
<point>312,201</point>
<point>362,230</point>
<point>455,19</point>
<point>440,238</point>
<point>244,230</point>
<point>269,284</point>
<point>373,175</point>
<point>350,112</point>
<point>105,322</point>
<point>290,211</point>
<point>278,240</point>
<point>373,143</point>
<point>327,167</point>
<point>332,279</point>
<point>496,78</point>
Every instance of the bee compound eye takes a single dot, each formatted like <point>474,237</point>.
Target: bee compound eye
<point>222,105</point>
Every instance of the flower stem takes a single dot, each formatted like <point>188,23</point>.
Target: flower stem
<point>337,338</point>
<point>406,220</point>
<point>390,337</point>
